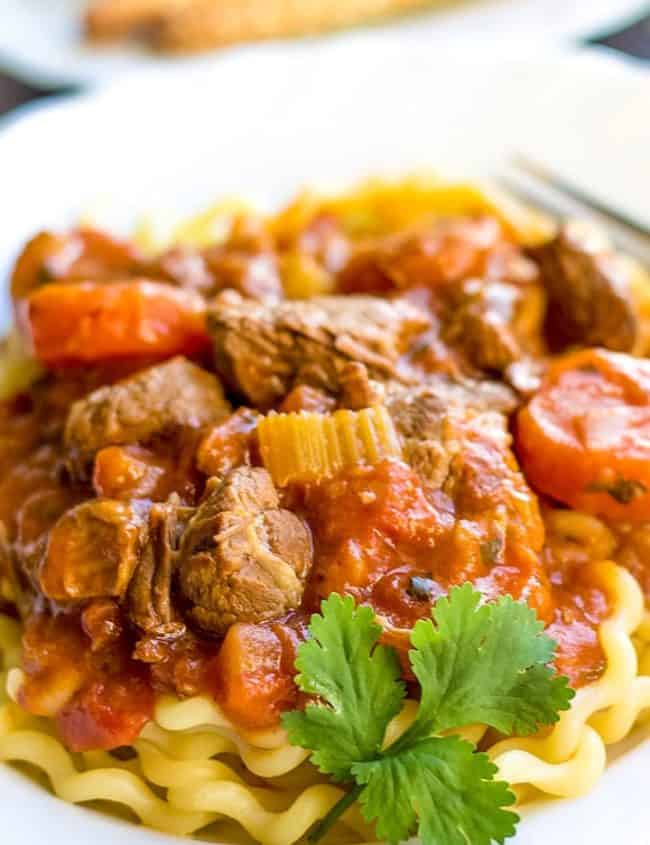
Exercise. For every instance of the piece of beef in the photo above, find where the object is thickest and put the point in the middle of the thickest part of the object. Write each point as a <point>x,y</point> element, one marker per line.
<point>427,419</point>
<point>242,557</point>
<point>16,590</point>
<point>265,350</point>
<point>358,390</point>
<point>184,267</point>
<point>149,600</point>
<point>93,550</point>
<point>253,275</point>
<point>305,398</point>
<point>444,253</point>
<point>482,324</point>
<point>158,401</point>
<point>322,239</point>
<point>589,299</point>
<point>82,255</point>
<point>228,444</point>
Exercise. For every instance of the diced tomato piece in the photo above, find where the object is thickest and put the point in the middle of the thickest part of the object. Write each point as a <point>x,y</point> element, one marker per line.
<point>584,438</point>
<point>81,255</point>
<point>253,676</point>
<point>54,663</point>
<point>87,322</point>
<point>109,712</point>
<point>228,444</point>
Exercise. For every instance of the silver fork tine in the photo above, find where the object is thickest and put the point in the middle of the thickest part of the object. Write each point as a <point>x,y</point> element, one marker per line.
<point>543,174</point>
<point>632,240</point>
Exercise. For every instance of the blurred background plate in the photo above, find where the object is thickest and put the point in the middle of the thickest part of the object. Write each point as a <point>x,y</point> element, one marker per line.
<point>40,40</point>
<point>265,125</point>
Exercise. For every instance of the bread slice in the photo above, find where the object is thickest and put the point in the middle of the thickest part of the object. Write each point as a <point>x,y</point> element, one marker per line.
<point>108,20</point>
<point>196,25</point>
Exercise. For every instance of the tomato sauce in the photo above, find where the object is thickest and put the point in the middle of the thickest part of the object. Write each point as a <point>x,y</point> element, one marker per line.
<point>378,537</point>
<point>378,534</point>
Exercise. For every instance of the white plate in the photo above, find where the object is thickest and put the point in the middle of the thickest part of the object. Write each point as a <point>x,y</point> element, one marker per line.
<point>264,126</point>
<point>40,40</point>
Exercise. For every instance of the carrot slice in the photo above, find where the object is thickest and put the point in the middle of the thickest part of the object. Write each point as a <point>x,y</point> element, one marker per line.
<point>584,438</point>
<point>88,322</point>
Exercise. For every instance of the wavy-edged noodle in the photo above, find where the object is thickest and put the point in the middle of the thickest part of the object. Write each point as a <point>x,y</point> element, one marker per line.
<point>114,784</point>
<point>312,447</point>
<point>10,647</point>
<point>271,828</point>
<point>587,531</point>
<point>601,713</point>
<point>379,207</point>
<point>187,749</point>
<point>18,369</point>
<point>303,277</point>
<point>208,228</point>
<point>567,779</point>
<point>266,754</point>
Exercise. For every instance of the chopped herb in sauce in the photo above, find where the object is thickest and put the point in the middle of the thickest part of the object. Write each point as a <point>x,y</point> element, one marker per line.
<point>622,490</point>
<point>421,587</point>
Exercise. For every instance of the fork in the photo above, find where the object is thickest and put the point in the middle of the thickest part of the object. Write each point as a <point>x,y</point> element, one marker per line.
<point>536,184</point>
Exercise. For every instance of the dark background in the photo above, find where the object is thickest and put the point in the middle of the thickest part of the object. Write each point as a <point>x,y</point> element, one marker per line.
<point>13,93</point>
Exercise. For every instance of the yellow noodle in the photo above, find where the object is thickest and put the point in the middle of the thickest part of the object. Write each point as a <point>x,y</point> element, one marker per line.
<point>312,447</point>
<point>379,207</point>
<point>303,277</point>
<point>181,750</point>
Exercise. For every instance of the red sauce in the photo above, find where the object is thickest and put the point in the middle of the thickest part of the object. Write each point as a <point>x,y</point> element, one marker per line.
<point>378,535</point>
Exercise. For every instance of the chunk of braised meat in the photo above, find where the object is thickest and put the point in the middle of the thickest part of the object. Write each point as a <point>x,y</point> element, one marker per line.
<point>589,298</point>
<point>246,262</point>
<point>481,324</point>
<point>422,421</point>
<point>464,460</point>
<point>149,601</point>
<point>93,551</point>
<point>426,418</point>
<point>445,253</point>
<point>228,444</point>
<point>265,350</point>
<point>131,472</point>
<point>243,558</point>
<point>16,591</point>
<point>155,402</point>
<point>256,276</point>
<point>358,391</point>
<point>182,266</point>
<point>306,398</point>
<point>323,240</point>
<point>82,255</point>
<point>217,268</point>
<point>103,623</point>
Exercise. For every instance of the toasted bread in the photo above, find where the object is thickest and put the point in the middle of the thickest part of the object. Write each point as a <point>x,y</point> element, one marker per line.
<point>196,25</point>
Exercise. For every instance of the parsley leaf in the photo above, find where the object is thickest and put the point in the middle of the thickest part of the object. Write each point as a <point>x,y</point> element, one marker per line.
<point>446,785</point>
<point>484,663</point>
<point>475,663</point>
<point>359,681</point>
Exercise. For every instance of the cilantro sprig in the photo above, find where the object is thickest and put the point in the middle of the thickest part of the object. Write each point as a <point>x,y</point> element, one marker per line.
<point>476,663</point>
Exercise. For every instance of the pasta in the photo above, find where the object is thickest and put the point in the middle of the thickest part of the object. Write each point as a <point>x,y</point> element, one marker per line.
<point>192,650</point>
<point>183,748</point>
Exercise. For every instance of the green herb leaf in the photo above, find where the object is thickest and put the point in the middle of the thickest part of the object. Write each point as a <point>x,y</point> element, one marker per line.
<point>484,664</point>
<point>477,664</point>
<point>356,678</point>
<point>440,788</point>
